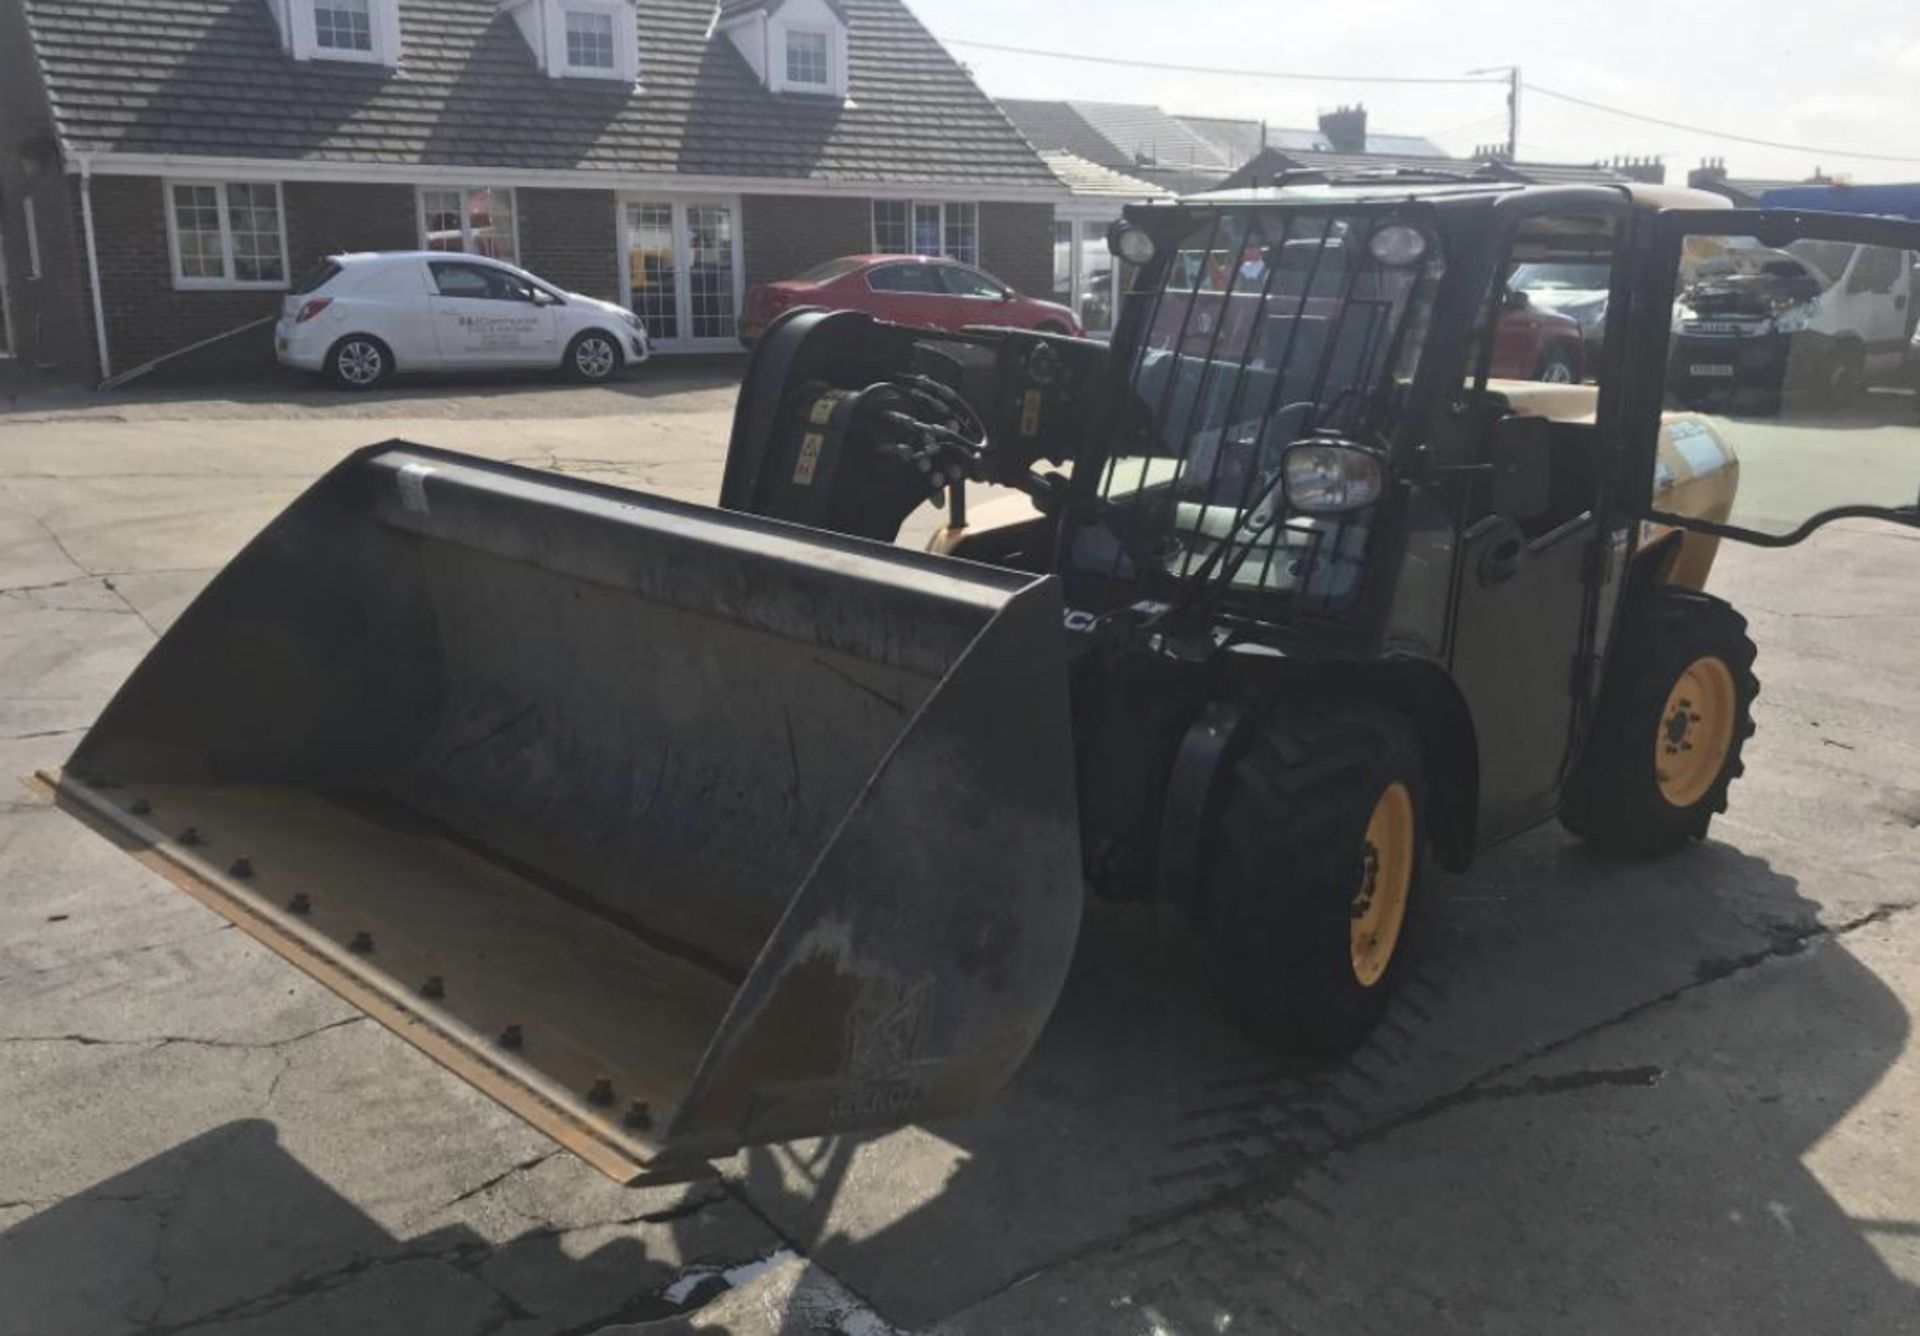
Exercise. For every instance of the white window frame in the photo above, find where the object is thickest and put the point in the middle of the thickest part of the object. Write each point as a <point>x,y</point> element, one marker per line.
<point>466,225</point>
<point>912,206</point>
<point>373,55</point>
<point>550,37</point>
<point>573,71</point>
<point>683,283</point>
<point>229,283</point>
<point>33,240</point>
<point>826,82</point>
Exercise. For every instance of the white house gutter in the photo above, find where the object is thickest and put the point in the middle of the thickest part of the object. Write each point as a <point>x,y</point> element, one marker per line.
<point>93,268</point>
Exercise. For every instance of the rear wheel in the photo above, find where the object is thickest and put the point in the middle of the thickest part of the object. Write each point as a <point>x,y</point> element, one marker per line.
<point>593,356</point>
<point>359,362</point>
<point>1666,742</point>
<point>1314,873</point>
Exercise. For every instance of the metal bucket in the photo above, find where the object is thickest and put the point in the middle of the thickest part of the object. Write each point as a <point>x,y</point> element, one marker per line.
<point>672,829</point>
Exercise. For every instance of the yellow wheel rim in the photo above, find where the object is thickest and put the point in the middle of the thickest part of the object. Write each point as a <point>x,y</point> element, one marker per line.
<point>1386,876</point>
<point>1696,732</point>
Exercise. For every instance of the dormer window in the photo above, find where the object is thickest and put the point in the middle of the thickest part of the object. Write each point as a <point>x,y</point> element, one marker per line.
<point>589,41</point>
<point>581,39</point>
<point>794,46</point>
<point>807,59</point>
<point>343,25</point>
<point>363,30</point>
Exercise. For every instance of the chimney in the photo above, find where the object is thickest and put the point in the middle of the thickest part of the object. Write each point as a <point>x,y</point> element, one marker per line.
<point>1708,174</point>
<point>1652,171</point>
<point>1345,129</point>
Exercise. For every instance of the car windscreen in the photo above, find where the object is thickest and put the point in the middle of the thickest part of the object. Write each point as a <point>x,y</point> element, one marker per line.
<point>316,278</point>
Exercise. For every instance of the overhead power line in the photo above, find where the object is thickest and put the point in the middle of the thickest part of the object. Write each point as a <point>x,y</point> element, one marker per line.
<point>1816,149</point>
<point>1555,94</point>
<point>1208,69</point>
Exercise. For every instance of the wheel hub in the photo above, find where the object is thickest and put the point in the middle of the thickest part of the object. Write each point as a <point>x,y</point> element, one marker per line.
<point>1379,909</point>
<point>1695,732</point>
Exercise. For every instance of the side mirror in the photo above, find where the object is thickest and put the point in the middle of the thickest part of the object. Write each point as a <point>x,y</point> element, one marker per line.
<point>1517,300</point>
<point>1521,452</point>
<point>1008,294</point>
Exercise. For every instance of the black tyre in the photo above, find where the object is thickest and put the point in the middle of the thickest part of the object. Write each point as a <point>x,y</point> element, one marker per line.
<point>1674,715</point>
<point>359,362</point>
<point>1314,872</point>
<point>1844,377</point>
<point>1559,365</point>
<point>593,356</point>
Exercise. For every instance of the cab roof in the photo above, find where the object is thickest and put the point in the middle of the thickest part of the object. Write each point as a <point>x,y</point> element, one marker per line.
<point>1375,189</point>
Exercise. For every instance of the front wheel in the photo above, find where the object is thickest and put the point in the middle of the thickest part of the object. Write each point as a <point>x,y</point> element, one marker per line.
<point>1314,872</point>
<point>1558,366</point>
<point>593,356</point>
<point>1665,743</point>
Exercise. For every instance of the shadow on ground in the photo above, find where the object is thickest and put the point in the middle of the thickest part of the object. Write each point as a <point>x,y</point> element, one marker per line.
<point>1507,1154</point>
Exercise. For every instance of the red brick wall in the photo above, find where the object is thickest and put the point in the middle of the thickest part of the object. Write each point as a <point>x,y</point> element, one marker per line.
<point>785,235</point>
<point>147,317</point>
<point>568,238</point>
<point>1016,245</point>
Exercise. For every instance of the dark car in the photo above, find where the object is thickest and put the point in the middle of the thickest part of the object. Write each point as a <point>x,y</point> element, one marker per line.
<point>908,290</point>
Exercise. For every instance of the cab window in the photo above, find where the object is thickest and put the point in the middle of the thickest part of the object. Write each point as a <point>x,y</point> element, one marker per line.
<point>479,282</point>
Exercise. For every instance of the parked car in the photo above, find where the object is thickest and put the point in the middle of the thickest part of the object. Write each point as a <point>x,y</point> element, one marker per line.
<point>909,290</point>
<point>1820,318</point>
<point>1575,289</point>
<point>360,318</point>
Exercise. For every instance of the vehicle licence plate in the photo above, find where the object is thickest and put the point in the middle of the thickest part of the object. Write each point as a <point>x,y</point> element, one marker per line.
<point>1710,369</point>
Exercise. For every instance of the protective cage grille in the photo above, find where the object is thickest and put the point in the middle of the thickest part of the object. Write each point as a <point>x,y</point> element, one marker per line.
<point>1264,327</point>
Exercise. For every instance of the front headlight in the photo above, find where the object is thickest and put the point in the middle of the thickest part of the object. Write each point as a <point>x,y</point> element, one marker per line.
<point>1326,478</point>
<point>1796,318</point>
<point>630,318</point>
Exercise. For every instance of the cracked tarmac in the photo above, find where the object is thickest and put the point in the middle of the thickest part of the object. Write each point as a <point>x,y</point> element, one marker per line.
<point>1615,1098</point>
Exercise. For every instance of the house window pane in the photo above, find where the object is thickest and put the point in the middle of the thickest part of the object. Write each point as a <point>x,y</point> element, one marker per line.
<point>196,221</point>
<point>589,40</point>
<point>490,223</point>
<point>651,269</point>
<point>440,220</point>
<point>253,217</point>
<point>891,230</point>
<point>342,25</point>
<point>1062,259</point>
<point>963,233</point>
<point>926,229</point>
<point>807,58</point>
<point>710,270</point>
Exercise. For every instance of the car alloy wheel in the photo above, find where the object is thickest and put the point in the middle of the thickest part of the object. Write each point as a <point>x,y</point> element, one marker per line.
<point>595,357</point>
<point>360,363</point>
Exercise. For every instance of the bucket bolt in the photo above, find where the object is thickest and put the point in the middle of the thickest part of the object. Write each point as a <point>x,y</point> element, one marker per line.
<point>638,1115</point>
<point>140,807</point>
<point>601,1093</point>
<point>511,1037</point>
<point>434,986</point>
<point>300,904</point>
<point>362,943</point>
<point>191,836</point>
<point>241,868</point>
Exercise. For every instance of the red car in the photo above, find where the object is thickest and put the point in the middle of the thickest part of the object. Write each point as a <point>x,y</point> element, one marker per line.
<point>908,290</point>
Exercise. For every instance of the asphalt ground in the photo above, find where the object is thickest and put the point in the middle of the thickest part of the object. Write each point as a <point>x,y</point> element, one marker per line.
<point>1615,1098</point>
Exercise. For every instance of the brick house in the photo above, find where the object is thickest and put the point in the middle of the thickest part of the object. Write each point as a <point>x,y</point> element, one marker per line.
<point>168,166</point>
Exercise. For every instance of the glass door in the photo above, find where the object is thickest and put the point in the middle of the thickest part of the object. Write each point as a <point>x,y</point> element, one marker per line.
<point>681,268</point>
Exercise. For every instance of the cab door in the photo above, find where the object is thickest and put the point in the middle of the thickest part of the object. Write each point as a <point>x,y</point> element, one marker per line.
<point>1787,448</point>
<point>1531,559</point>
<point>910,293</point>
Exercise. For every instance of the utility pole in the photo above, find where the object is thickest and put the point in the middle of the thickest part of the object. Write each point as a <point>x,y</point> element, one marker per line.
<point>1513,105</point>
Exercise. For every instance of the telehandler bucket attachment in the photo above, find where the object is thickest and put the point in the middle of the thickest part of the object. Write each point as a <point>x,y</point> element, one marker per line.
<point>671,829</point>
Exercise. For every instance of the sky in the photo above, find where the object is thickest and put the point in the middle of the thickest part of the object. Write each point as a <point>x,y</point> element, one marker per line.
<point>1830,74</point>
